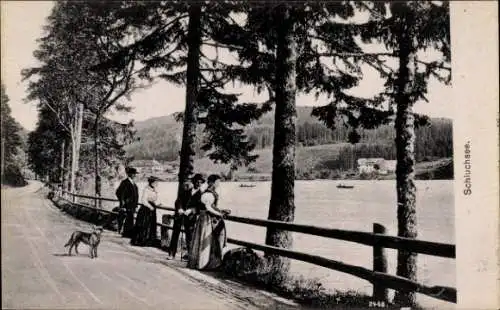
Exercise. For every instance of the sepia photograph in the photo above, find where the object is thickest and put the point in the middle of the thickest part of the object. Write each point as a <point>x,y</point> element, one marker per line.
<point>246,155</point>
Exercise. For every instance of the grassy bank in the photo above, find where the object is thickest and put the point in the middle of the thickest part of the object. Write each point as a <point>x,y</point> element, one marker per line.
<point>250,268</point>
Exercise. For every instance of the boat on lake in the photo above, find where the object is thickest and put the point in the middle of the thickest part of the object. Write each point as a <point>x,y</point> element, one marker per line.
<point>247,185</point>
<point>345,186</point>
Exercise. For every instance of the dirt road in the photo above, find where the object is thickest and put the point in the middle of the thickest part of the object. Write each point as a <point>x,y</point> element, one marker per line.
<point>37,273</point>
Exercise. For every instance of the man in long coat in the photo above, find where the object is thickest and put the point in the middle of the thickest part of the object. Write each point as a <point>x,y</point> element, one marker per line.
<point>128,195</point>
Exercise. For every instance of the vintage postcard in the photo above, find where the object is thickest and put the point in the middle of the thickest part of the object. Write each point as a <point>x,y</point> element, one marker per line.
<point>250,155</point>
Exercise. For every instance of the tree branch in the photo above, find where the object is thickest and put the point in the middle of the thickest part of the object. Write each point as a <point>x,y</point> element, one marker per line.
<point>57,115</point>
<point>356,55</point>
<point>371,10</point>
<point>128,77</point>
<point>434,64</point>
<point>218,45</point>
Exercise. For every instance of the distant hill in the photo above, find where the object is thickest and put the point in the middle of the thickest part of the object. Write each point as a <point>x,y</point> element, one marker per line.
<point>160,137</point>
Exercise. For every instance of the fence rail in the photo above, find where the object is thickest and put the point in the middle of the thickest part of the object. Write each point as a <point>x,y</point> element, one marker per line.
<point>378,240</point>
<point>371,239</point>
<point>377,278</point>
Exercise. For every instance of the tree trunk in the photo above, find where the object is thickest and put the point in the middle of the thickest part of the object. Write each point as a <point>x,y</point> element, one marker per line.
<point>76,139</point>
<point>405,169</point>
<point>282,207</point>
<point>96,161</point>
<point>63,152</point>
<point>192,86</point>
<point>67,169</point>
<point>73,164</point>
<point>79,124</point>
<point>2,159</point>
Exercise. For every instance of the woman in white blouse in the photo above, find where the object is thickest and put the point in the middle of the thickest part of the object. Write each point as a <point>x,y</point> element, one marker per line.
<point>145,224</point>
<point>209,236</point>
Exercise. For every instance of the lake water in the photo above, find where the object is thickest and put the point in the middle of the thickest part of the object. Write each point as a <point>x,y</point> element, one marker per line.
<point>320,203</point>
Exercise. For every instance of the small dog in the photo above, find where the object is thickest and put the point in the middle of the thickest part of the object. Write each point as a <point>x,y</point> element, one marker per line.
<point>91,239</point>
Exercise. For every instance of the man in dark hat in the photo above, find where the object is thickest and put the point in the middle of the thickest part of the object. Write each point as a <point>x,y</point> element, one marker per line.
<point>128,195</point>
<point>190,208</point>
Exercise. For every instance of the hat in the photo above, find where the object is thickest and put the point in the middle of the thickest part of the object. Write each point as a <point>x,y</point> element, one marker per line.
<point>197,177</point>
<point>130,170</point>
<point>152,179</point>
<point>213,177</point>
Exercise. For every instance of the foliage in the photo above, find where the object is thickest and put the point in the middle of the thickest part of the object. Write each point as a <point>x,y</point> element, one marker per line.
<point>44,145</point>
<point>12,175</point>
<point>113,137</point>
<point>77,37</point>
<point>430,24</point>
<point>328,161</point>
<point>245,265</point>
<point>433,140</point>
<point>160,42</point>
<point>11,139</point>
<point>406,28</point>
<point>11,144</point>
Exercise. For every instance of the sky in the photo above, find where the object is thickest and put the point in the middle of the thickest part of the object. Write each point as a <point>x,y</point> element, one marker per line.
<point>21,26</point>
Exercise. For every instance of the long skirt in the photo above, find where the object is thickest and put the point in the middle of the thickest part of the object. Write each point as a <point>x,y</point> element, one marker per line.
<point>145,227</point>
<point>209,238</point>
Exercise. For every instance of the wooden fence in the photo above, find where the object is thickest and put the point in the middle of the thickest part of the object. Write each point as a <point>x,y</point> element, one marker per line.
<point>381,280</point>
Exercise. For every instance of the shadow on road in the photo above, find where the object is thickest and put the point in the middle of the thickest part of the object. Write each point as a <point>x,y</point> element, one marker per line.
<point>72,255</point>
<point>61,254</point>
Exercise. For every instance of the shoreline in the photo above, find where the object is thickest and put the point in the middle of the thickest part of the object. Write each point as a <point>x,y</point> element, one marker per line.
<point>441,169</point>
<point>264,180</point>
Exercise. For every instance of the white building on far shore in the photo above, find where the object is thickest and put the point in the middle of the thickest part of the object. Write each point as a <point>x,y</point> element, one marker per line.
<point>376,165</point>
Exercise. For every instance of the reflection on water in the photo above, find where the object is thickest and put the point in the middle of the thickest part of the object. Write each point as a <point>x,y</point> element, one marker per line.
<point>321,203</point>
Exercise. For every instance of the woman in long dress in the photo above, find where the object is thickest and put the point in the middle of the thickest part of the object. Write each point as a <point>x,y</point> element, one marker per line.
<point>145,224</point>
<point>209,237</point>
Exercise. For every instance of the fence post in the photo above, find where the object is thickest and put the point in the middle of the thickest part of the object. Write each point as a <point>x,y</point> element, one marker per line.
<point>380,293</point>
<point>156,241</point>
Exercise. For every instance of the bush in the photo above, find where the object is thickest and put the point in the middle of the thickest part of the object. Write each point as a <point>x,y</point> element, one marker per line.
<point>242,262</point>
<point>246,265</point>
<point>12,176</point>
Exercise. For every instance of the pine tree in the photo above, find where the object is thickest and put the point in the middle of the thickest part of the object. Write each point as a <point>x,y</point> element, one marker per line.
<point>288,49</point>
<point>408,28</point>
<point>172,39</point>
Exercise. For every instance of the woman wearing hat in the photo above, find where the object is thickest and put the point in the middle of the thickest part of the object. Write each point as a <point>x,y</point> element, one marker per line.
<point>209,237</point>
<point>145,224</point>
<point>193,206</point>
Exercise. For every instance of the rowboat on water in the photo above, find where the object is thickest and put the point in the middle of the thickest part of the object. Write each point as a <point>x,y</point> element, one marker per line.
<point>247,185</point>
<point>345,186</point>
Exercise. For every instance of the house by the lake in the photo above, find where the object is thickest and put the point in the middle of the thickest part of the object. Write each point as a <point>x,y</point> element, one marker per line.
<point>379,166</point>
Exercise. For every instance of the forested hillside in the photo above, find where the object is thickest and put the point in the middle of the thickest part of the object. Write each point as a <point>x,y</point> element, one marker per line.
<point>159,138</point>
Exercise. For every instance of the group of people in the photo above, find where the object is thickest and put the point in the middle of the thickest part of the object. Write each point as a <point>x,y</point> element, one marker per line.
<point>195,210</point>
